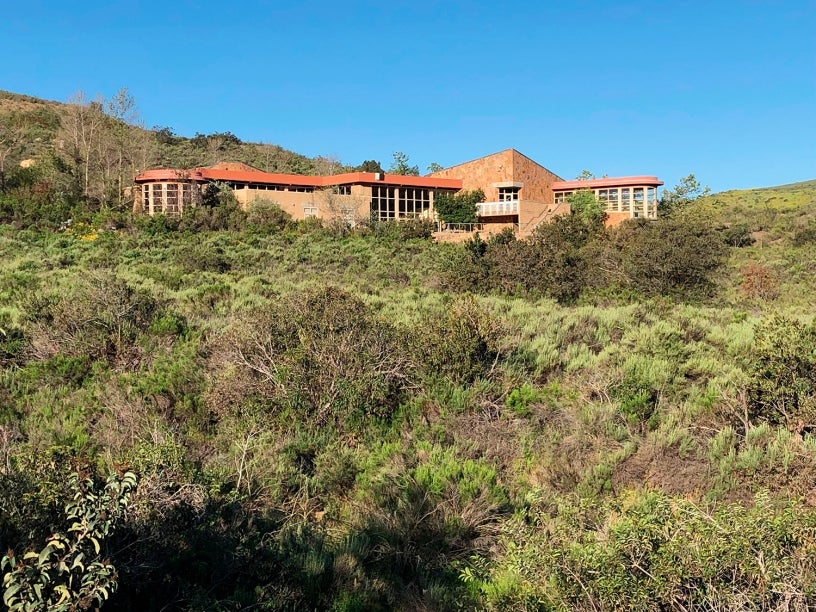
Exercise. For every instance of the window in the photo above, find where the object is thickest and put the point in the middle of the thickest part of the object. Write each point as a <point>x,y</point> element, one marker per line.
<point>383,201</point>
<point>509,194</point>
<point>343,190</point>
<point>413,202</point>
<point>146,198</point>
<point>561,196</point>
<point>309,212</point>
<point>158,202</point>
<point>626,199</point>
<point>637,201</point>
<point>172,199</point>
<point>186,195</point>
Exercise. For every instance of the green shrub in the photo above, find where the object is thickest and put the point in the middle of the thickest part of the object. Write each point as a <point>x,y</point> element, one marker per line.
<point>327,358</point>
<point>674,256</point>
<point>782,385</point>
<point>519,400</point>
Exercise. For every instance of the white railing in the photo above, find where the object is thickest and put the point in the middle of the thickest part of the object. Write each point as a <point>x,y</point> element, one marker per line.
<point>490,209</point>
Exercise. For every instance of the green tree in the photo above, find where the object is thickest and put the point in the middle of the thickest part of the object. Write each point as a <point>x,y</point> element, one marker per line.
<point>401,165</point>
<point>584,204</point>
<point>434,167</point>
<point>682,194</point>
<point>460,207</point>
<point>369,165</point>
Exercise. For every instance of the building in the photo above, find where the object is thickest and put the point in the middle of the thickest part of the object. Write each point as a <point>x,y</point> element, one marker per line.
<point>625,197</point>
<point>354,195</point>
<point>519,192</point>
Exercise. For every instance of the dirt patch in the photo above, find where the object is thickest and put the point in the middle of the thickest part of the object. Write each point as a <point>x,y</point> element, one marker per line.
<point>663,469</point>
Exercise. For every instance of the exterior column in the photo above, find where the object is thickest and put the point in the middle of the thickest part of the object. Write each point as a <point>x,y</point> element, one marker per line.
<point>646,202</point>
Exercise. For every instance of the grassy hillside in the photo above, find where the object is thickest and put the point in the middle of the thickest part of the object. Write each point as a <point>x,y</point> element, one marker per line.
<point>321,418</point>
<point>43,127</point>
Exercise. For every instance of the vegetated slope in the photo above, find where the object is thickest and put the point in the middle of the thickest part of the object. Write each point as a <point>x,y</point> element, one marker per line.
<point>322,418</point>
<point>45,125</point>
<point>780,223</point>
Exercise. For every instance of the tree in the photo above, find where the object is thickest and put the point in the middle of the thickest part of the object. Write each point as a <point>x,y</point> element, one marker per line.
<point>369,165</point>
<point>584,204</point>
<point>434,167</point>
<point>82,133</point>
<point>116,146</point>
<point>681,195</point>
<point>400,165</point>
<point>460,207</point>
<point>585,175</point>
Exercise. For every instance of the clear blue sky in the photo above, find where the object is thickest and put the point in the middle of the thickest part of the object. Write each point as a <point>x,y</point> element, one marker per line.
<point>723,89</point>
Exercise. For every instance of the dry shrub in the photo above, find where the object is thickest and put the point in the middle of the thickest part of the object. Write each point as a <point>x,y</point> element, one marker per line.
<point>758,282</point>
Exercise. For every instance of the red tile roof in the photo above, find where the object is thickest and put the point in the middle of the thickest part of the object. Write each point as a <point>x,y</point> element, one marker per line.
<point>299,180</point>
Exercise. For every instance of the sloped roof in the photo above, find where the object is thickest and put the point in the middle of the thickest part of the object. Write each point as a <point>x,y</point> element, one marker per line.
<point>299,180</point>
<point>615,181</point>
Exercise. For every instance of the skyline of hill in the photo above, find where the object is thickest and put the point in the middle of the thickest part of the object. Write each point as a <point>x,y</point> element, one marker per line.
<point>45,122</point>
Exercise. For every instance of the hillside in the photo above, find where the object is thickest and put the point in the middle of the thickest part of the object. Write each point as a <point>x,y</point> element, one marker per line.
<point>325,418</point>
<point>91,147</point>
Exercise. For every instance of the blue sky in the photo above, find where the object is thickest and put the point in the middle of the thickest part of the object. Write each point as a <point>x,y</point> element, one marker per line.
<point>725,89</point>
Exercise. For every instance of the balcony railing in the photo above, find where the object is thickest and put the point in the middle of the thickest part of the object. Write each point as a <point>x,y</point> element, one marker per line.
<point>494,209</point>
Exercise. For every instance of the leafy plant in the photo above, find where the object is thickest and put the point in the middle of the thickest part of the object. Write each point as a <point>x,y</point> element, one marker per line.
<point>70,573</point>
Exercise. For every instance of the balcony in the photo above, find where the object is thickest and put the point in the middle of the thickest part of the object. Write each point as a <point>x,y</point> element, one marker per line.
<point>495,209</point>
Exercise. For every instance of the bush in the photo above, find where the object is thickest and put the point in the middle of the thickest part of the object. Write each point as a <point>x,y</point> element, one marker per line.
<point>461,344</point>
<point>758,282</point>
<point>324,356</point>
<point>266,216</point>
<point>737,235</point>
<point>782,387</point>
<point>674,256</point>
<point>459,207</point>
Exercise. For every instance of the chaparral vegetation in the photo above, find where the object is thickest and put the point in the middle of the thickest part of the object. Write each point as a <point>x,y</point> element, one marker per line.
<point>231,410</point>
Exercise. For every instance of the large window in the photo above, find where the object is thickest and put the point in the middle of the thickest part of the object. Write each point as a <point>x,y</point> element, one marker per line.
<point>383,202</point>
<point>413,202</point>
<point>399,202</point>
<point>637,201</point>
<point>186,195</point>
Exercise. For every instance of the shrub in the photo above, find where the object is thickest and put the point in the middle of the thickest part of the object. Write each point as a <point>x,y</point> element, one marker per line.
<point>461,344</point>
<point>99,318</point>
<point>805,235</point>
<point>672,256</point>
<point>459,207</point>
<point>782,387</point>
<point>326,357</point>
<point>70,573</point>
<point>758,282</point>
<point>267,216</point>
<point>737,235</point>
